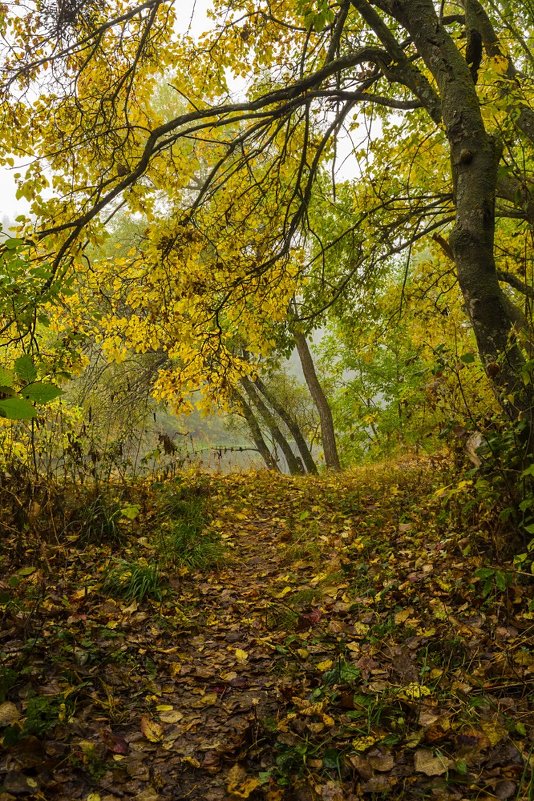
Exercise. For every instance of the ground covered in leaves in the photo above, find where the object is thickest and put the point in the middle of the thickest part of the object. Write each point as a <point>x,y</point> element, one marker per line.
<point>263,637</point>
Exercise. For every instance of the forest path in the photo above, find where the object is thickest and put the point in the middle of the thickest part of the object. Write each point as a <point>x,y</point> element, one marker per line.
<point>334,654</point>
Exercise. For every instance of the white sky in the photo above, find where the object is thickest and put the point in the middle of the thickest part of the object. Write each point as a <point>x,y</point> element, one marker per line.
<point>191,15</point>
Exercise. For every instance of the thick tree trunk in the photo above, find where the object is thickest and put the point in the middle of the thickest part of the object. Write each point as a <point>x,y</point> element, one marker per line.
<point>293,464</point>
<point>291,424</point>
<point>328,436</point>
<point>255,430</point>
<point>474,161</point>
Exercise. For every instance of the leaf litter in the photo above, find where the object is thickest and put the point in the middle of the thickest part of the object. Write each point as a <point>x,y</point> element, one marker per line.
<point>342,647</point>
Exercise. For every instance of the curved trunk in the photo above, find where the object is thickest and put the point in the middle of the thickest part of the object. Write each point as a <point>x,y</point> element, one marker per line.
<point>292,425</point>
<point>474,161</point>
<point>328,436</point>
<point>293,464</point>
<point>255,430</point>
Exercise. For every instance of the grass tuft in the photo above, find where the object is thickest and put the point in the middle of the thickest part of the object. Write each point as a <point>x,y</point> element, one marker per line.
<point>133,581</point>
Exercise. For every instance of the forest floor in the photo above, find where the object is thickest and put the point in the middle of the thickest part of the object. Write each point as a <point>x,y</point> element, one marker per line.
<point>265,637</point>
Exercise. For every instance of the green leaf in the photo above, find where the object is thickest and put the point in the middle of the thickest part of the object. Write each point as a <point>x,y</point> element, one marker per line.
<point>26,571</point>
<point>6,377</point>
<point>41,392</point>
<point>131,511</point>
<point>500,580</point>
<point>25,369</point>
<point>17,409</point>
<point>467,358</point>
<point>12,243</point>
<point>484,572</point>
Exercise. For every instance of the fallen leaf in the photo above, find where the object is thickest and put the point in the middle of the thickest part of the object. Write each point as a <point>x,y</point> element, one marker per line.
<point>325,665</point>
<point>172,716</point>
<point>363,743</point>
<point>8,713</point>
<point>149,794</point>
<point>383,763</point>
<point>239,784</point>
<point>425,762</point>
<point>402,616</point>
<point>414,690</point>
<point>331,791</point>
<point>241,655</point>
<point>494,731</point>
<point>151,729</point>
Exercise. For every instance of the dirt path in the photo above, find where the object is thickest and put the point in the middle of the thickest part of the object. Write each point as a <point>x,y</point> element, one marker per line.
<point>343,650</point>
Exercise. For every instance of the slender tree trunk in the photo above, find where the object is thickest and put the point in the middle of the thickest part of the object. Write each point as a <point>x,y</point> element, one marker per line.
<point>474,161</point>
<point>255,430</point>
<point>293,464</point>
<point>328,436</point>
<point>292,425</point>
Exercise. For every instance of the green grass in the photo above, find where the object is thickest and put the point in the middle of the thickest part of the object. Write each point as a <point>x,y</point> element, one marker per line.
<point>133,581</point>
<point>184,538</point>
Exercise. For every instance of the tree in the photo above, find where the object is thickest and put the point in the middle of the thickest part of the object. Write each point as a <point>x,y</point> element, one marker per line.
<point>239,177</point>
<point>328,436</point>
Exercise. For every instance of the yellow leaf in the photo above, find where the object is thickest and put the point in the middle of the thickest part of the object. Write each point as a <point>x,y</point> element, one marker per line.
<point>325,665</point>
<point>171,717</point>
<point>239,784</point>
<point>151,729</point>
<point>402,617</point>
<point>493,731</point>
<point>360,629</point>
<point>86,746</point>
<point>363,743</point>
<point>415,690</point>
<point>499,64</point>
<point>191,761</point>
<point>164,707</point>
<point>209,699</point>
<point>241,655</point>
<point>283,592</point>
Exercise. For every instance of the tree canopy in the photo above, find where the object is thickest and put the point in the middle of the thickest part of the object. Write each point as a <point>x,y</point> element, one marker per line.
<point>277,165</point>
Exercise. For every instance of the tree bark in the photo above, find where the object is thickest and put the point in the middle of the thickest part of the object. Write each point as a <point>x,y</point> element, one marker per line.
<point>293,464</point>
<point>474,160</point>
<point>328,436</point>
<point>292,425</point>
<point>255,431</point>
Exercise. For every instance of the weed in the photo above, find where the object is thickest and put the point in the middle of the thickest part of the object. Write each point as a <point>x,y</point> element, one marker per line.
<point>301,550</point>
<point>133,581</point>
<point>42,714</point>
<point>183,539</point>
<point>98,521</point>
<point>183,544</point>
<point>493,580</point>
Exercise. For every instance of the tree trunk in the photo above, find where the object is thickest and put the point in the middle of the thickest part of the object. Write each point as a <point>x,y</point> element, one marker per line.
<point>474,160</point>
<point>293,464</point>
<point>328,436</point>
<point>292,425</point>
<point>255,430</point>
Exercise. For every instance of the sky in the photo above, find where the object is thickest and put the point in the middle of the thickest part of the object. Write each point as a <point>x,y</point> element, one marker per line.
<point>191,15</point>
